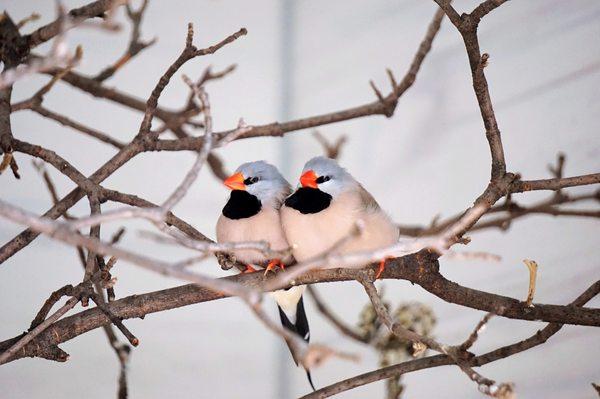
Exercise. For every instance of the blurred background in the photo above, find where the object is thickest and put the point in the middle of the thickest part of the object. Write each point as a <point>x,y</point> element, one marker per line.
<point>299,59</point>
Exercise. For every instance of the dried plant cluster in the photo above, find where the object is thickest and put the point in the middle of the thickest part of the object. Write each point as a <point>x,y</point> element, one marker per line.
<point>402,337</point>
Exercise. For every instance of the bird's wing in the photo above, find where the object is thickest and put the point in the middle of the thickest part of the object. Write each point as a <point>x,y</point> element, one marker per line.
<point>367,199</point>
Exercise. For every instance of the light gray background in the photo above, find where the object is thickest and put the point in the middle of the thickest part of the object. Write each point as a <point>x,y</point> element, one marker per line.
<point>299,59</point>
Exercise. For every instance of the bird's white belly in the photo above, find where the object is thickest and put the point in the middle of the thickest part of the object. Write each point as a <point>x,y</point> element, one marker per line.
<point>288,300</point>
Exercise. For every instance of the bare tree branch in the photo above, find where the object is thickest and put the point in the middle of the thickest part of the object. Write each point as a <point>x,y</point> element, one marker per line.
<point>14,349</point>
<point>51,30</point>
<point>63,120</point>
<point>135,44</point>
<point>334,319</point>
<point>420,269</point>
<point>132,149</point>
<point>12,51</point>
<point>486,385</point>
<point>513,211</point>
<point>276,129</point>
<point>415,260</point>
<point>538,338</point>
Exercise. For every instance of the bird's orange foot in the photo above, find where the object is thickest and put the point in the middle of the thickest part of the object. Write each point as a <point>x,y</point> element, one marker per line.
<point>249,269</point>
<point>273,264</point>
<point>382,266</point>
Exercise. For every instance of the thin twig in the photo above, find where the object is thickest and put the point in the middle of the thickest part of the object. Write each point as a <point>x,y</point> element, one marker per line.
<point>6,355</point>
<point>77,15</point>
<point>468,343</point>
<point>333,318</point>
<point>135,44</point>
<point>331,150</point>
<point>115,320</point>
<point>538,338</point>
<point>485,385</point>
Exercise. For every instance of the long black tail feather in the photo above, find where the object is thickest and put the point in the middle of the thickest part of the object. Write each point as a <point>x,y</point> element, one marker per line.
<point>310,380</point>
<point>300,327</point>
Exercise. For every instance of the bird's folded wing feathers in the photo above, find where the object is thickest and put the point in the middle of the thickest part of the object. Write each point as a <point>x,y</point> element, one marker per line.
<point>367,199</point>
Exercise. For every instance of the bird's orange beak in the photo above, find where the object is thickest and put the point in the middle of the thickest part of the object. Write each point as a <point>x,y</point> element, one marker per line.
<point>309,179</point>
<point>235,181</point>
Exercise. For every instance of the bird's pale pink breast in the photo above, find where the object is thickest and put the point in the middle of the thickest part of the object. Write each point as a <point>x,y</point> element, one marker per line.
<point>264,226</point>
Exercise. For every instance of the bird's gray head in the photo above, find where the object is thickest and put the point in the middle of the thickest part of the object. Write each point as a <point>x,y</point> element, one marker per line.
<point>326,175</point>
<point>260,179</point>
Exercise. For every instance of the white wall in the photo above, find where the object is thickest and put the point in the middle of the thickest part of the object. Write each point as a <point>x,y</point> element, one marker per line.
<point>430,158</point>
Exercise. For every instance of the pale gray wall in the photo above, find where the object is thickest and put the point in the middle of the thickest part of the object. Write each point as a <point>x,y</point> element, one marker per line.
<point>431,157</point>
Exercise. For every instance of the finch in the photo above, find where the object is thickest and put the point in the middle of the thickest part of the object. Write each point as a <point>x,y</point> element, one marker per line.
<point>252,214</point>
<point>326,209</point>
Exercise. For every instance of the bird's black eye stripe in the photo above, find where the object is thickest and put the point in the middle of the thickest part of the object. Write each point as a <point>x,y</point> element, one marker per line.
<point>322,179</point>
<point>250,180</point>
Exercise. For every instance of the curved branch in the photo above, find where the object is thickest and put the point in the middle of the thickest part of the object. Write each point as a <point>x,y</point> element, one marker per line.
<point>99,90</point>
<point>341,325</point>
<point>467,26</point>
<point>135,44</point>
<point>485,8</point>
<point>58,162</point>
<point>396,370</point>
<point>512,212</point>
<point>65,121</point>
<point>139,202</point>
<point>554,184</point>
<point>421,269</point>
<point>47,32</point>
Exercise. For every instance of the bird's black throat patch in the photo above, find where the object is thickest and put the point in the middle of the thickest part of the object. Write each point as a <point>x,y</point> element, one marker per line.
<point>308,200</point>
<point>241,205</point>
